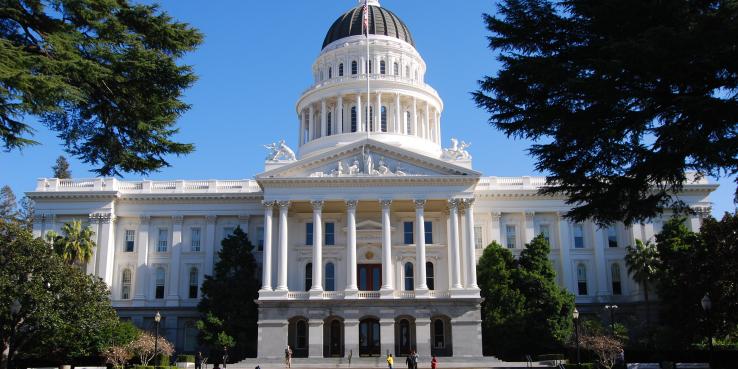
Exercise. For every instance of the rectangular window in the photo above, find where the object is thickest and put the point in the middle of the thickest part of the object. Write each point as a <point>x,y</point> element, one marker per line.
<point>546,232</point>
<point>617,288</point>
<point>612,236</point>
<point>512,237</point>
<point>130,240</point>
<point>309,234</point>
<point>578,236</point>
<point>126,292</point>
<point>330,234</point>
<point>428,233</point>
<point>159,292</point>
<point>478,243</point>
<point>161,245</point>
<point>260,238</point>
<point>407,228</point>
<point>195,241</point>
<point>582,288</point>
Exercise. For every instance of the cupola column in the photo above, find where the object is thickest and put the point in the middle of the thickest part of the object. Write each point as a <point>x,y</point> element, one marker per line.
<point>438,126</point>
<point>339,115</point>
<point>427,123</point>
<point>359,126</point>
<point>322,118</point>
<point>398,111</point>
<point>311,123</point>
<point>378,114</point>
<point>416,128</point>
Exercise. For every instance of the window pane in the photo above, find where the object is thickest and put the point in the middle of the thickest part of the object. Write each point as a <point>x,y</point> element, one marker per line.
<point>130,240</point>
<point>308,276</point>
<point>408,233</point>
<point>309,234</point>
<point>578,236</point>
<point>409,283</point>
<point>330,277</point>
<point>612,236</point>
<point>195,246</point>
<point>260,238</point>
<point>330,233</point>
<point>546,232</point>
<point>511,236</point>
<point>428,232</point>
<point>429,276</point>
<point>478,237</point>
<point>162,244</point>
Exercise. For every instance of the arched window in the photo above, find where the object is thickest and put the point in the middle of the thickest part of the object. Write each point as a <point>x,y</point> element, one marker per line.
<point>409,281</point>
<point>160,278</point>
<point>408,123</point>
<point>329,121</point>
<point>397,69</point>
<point>301,335</point>
<point>439,341</point>
<point>617,287</point>
<point>370,116</point>
<point>581,280</point>
<point>429,276</point>
<point>371,67</point>
<point>308,276</point>
<point>383,117</point>
<point>354,67</point>
<point>330,72</point>
<point>382,67</point>
<point>194,282</point>
<point>340,70</point>
<point>330,277</point>
<point>125,285</point>
<point>353,119</point>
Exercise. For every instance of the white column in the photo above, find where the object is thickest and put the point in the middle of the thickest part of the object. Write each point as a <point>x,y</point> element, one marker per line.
<point>301,136</point>
<point>351,246</point>
<point>209,244</point>
<point>174,265</point>
<point>92,265</point>
<point>528,227</point>
<point>339,115</point>
<point>453,216</point>
<point>317,288</point>
<point>359,126</point>
<point>427,123</point>
<point>416,128</point>
<point>378,114</point>
<point>564,246</point>
<point>311,123</point>
<point>282,276</point>
<point>420,283</point>
<point>387,268</point>
<point>266,267</point>
<point>438,126</point>
<point>471,254</point>
<point>600,236</point>
<point>142,248</point>
<point>323,118</point>
<point>398,114</point>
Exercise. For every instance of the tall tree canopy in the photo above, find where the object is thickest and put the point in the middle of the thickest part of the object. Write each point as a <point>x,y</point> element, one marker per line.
<point>524,310</point>
<point>8,205</point>
<point>621,97</point>
<point>103,74</point>
<point>61,168</point>
<point>227,304</point>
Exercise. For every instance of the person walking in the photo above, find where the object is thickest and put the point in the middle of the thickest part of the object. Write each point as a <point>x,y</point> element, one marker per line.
<point>390,361</point>
<point>198,360</point>
<point>415,359</point>
<point>288,356</point>
<point>434,362</point>
<point>409,361</point>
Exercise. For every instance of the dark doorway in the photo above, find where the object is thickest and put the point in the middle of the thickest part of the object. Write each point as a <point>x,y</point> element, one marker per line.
<point>369,338</point>
<point>335,339</point>
<point>404,337</point>
<point>370,277</point>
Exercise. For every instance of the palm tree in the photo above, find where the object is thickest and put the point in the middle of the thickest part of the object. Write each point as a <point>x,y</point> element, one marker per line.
<point>76,246</point>
<point>641,262</point>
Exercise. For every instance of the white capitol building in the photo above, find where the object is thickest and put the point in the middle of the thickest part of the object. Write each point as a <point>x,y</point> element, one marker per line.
<point>368,236</point>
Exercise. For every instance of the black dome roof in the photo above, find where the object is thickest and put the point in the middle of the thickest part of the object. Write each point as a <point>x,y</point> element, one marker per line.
<point>381,22</point>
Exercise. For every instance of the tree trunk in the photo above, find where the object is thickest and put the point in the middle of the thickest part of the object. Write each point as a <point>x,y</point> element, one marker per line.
<point>5,356</point>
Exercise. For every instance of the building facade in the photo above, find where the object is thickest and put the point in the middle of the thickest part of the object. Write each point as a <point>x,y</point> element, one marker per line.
<point>367,237</point>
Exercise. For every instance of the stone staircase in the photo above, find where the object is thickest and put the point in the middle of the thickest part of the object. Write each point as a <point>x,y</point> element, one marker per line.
<point>380,362</point>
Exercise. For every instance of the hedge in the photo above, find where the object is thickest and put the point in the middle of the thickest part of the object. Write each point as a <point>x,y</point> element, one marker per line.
<point>186,358</point>
<point>583,366</point>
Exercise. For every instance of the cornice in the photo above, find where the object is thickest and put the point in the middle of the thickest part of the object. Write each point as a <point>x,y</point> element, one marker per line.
<point>89,195</point>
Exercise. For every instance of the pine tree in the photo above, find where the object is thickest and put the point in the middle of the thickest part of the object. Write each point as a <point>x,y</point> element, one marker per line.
<point>104,75</point>
<point>622,98</point>
<point>61,168</point>
<point>26,212</point>
<point>8,205</point>
<point>228,296</point>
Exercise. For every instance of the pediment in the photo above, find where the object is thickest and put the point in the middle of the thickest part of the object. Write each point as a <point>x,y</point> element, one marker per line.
<point>368,158</point>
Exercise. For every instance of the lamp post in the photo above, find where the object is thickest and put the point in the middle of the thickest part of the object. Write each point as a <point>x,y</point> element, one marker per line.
<point>707,307</point>
<point>612,309</point>
<point>575,315</point>
<point>157,319</point>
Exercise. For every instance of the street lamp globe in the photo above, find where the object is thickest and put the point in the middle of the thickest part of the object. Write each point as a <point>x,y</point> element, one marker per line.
<point>157,317</point>
<point>706,303</point>
<point>575,314</point>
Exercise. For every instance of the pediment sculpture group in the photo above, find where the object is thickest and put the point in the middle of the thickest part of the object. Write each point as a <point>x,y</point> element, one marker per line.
<point>363,167</point>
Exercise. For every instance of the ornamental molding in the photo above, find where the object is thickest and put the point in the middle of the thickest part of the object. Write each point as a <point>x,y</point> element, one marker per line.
<point>101,218</point>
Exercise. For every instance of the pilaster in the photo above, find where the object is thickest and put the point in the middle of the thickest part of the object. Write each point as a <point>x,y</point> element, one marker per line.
<point>174,266</point>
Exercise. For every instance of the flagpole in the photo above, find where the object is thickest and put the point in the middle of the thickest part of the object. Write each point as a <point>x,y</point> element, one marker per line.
<point>368,64</point>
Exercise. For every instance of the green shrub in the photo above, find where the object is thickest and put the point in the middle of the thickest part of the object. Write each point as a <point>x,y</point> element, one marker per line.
<point>162,360</point>
<point>143,367</point>
<point>186,358</point>
<point>164,367</point>
<point>583,366</point>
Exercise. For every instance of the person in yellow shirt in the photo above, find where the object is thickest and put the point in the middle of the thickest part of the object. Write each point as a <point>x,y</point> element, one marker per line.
<point>390,360</point>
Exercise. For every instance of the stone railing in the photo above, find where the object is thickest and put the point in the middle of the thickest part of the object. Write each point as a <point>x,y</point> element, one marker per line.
<point>501,183</point>
<point>366,295</point>
<point>372,77</point>
<point>146,186</point>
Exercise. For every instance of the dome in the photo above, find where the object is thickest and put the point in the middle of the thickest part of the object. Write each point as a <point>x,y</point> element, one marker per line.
<point>381,22</point>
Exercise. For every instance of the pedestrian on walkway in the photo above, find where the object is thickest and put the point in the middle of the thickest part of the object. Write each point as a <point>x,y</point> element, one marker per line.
<point>390,361</point>
<point>409,361</point>
<point>434,362</point>
<point>288,356</point>
<point>198,360</point>
<point>415,359</point>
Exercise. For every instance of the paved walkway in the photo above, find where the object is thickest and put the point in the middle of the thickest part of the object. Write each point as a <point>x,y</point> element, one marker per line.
<point>379,362</point>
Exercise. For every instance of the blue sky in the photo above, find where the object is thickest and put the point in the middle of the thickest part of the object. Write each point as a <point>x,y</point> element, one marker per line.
<point>255,62</point>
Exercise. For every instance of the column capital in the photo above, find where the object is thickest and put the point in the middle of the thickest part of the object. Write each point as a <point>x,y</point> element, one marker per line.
<point>495,215</point>
<point>317,205</point>
<point>283,205</point>
<point>468,203</point>
<point>529,213</point>
<point>385,203</point>
<point>144,218</point>
<point>211,218</point>
<point>419,204</point>
<point>268,203</point>
<point>454,203</point>
<point>351,204</point>
<point>178,219</point>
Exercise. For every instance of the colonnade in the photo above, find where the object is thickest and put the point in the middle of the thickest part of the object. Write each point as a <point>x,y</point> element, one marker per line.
<point>402,115</point>
<point>388,284</point>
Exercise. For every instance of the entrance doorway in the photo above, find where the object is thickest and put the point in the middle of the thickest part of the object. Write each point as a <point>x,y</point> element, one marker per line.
<point>370,277</point>
<point>369,338</point>
<point>333,333</point>
<point>404,336</point>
